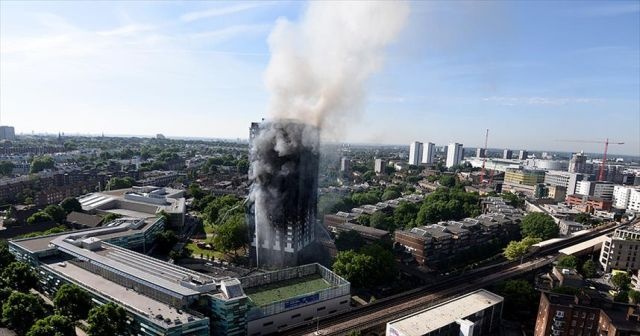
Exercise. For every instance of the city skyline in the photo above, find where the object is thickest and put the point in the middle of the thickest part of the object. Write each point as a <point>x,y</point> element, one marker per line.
<point>196,70</point>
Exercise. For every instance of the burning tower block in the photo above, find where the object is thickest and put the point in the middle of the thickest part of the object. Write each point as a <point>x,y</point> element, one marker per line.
<point>284,158</point>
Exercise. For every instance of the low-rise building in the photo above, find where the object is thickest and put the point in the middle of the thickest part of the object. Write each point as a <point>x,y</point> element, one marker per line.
<point>567,227</point>
<point>588,203</point>
<point>622,250</point>
<point>474,314</point>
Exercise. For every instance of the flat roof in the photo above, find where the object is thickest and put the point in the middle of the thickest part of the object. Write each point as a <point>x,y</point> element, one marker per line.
<point>141,304</point>
<point>573,249</point>
<point>282,290</point>
<point>445,313</point>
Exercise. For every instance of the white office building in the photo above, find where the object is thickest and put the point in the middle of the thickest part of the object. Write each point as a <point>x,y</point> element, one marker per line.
<point>621,195</point>
<point>345,165</point>
<point>379,166</point>
<point>523,155</point>
<point>455,154</point>
<point>429,153</point>
<point>507,154</point>
<point>415,153</point>
<point>564,179</point>
<point>603,190</point>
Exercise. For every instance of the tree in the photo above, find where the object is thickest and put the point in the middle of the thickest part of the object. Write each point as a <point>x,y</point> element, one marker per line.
<point>621,281</point>
<point>589,269</point>
<point>107,320</point>
<point>513,199</point>
<point>21,311</point>
<point>517,249</point>
<point>6,257</point>
<point>372,266</point>
<point>165,241</point>
<point>518,294</point>
<point>621,296</point>
<point>243,166</point>
<point>110,217</point>
<point>70,204</point>
<point>364,219</point>
<point>53,325</point>
<point>214,210</point>
<point>120,183</point>
<point>404,216</point>
<point>539,225</point>
<point>382,221</point>
<point>568,262</point>
<point>73,302</point>
<point>583,218</point>
<point>196,192</point>
<point>232,235</point>
<point>6,168</point>
<point>634,296</point>
<point>39,217</point>
<point>40,163</point>
<point>389,170</point>
<point>56,212</point>
<point>19,276</point>
<point>349,240</point>
<point>390,194</point>
<point>447,180</point>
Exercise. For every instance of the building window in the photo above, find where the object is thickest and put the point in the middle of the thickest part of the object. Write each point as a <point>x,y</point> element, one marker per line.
<point>295,316</point>
<point>321,308</point>
<point>267,323</point>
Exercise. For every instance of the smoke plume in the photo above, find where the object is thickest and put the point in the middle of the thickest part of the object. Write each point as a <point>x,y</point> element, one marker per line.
<point>319,66</point>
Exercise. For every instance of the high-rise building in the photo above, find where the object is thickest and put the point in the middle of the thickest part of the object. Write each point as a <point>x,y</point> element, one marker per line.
<point>345,165</point>
<point>507,154</point>
<point>601,190</point>
<point>564,179</point>
<point>481,153</point>
<point>379,166</point>
<point>622,195</point>
<point>455,153</point>
<point>621,250</point>
<point>415,153</point>
<point>578,163</point>
<point>429,153</point>
<point>7,133</point>
<point>522,155</point>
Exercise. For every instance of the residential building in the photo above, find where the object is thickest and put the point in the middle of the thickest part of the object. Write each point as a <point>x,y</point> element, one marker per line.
<point>597,189</point>
<point>507,154</point>
<point>477,313</point>
<point>578,163</point>
<point>567,227</point>
<point>7,133</point>
<point>564,179</point>
<point>415,153</point>
<point>523,155</point>
<point>481,153</point>
<point>622,250</point>
<point>345,165</point>
<point>429,153</point>
<point>379,166</point>
<point>455,154</point>
<point>587,203</point>
<point>557,193</point>
<point>586,314</point>
<point>159,178</point>
<point>626,197</point>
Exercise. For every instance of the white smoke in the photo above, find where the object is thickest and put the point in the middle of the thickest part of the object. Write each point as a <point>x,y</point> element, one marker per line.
<point>320,65</point>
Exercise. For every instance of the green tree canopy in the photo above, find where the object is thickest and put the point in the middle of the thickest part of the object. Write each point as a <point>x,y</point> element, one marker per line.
<point>539,225</point>
<point>110,217</point>
<point>589,269</point>
<point>513,199</point>
<point>372,266</point>
<point>517,294</point>
<point>107,320</point>
<point>404,216</point>
<point>349,240</point>
<point>215,210</point>
<point>390,194</point>
<point>517,249</point>
<point>364,219</point>
<point>56,212</point>
<point>6,257</point>
<point>39,217</point>
<point>448,204</point>
<point>447,180</point>
<point>568,262</point>
<point>21,311</point>
<point>6,168</point>
<point>53,325</point>
<point>232,235</point>
<point>621,280</point>
<point>382,221</point>
<point>40,163</point>
<point>243,166</point>
<point>70,204</point>
<point>165,240</point>
<point>120,183</point>
<point>73,302</point>
<point>634,296</point>
<point>19,276</point>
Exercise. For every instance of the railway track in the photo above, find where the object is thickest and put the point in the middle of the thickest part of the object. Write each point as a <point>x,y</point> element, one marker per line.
<point>398,305</point>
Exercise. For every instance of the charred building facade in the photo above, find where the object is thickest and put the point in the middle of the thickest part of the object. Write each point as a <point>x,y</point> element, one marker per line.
<point>284,157</point>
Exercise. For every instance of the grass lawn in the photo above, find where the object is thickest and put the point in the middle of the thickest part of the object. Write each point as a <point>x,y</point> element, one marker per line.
<point>261,295</point>
<point>206,253</point>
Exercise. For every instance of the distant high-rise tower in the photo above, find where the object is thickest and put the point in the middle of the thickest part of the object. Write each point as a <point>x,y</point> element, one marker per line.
<point>379,166</point>
<point>481,153</point>
<point>578,163</point>
<point>428,153</point>
<point>455,154</point>
<point>507,154</point>
<point>415,153</point>
<point>523,155</point>
<point>7,133</point>
<point>345,165</point>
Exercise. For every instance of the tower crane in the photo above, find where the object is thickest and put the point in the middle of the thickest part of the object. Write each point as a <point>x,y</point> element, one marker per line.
<point>606,143</point>
<point>484,157</point>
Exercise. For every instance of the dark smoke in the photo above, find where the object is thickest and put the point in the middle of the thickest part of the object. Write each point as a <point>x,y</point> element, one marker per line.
<point>284,174</point>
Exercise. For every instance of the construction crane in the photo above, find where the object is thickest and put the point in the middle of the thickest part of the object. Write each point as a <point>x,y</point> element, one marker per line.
<point>484,156</point>
<point>606,143</point>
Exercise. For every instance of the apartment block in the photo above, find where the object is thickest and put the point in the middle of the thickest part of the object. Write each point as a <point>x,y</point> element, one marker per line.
<point>622,250</point>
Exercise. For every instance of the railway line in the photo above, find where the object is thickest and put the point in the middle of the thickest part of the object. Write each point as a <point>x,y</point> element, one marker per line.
<point>395,306</point>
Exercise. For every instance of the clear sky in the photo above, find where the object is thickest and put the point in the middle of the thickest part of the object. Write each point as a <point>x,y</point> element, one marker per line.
<point>532,72</point>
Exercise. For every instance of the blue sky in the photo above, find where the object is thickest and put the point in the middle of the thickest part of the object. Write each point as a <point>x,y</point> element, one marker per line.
<point>531,72</point>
